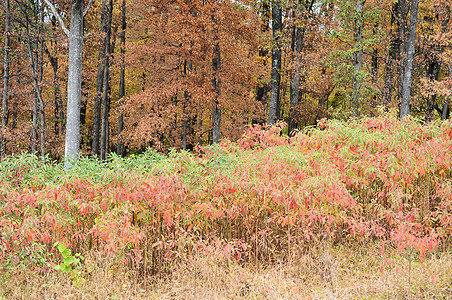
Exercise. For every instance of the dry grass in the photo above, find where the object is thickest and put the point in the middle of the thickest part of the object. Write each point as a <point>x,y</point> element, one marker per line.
<point>324,273</point>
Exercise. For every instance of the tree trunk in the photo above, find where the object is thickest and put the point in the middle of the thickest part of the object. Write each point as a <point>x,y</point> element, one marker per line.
<point>41,70</point>
<point>298,34</point>
<point>357,57</point>
<point>374,70</point>
<point>184,122</point>
<point>263,87</point>
<point>120,147</point>
<point>59,111</point>
<point>74,85</point>
<point>99,83</point>
<point>433,64</point>
<point>393,60</point>
<point>446,109</point>
<point>38,103</point>
<point>408,74</point>
<point>276,62</point>
<point>34,129</point>
<point>106,90</point>
<point>5,95</point>
<point>187,67</point>
<point>216,82</point>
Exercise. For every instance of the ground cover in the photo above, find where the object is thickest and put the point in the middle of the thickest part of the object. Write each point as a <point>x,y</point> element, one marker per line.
<point>346,209</point>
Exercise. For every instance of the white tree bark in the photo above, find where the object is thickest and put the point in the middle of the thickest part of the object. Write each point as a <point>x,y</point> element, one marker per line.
<point>74,85</point>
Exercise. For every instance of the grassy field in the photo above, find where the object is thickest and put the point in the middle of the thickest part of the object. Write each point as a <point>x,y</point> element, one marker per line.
<point>358,209</point>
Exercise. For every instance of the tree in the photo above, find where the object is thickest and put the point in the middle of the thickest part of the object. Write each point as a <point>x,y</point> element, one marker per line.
<point>74,86</point>
<point>273,113</point>
<point>216,82</point>
<point>433,43</point>
<point>410,49</point>
<point>298,33</point>
<point>357,57</point>
<point>393,72</point>
<point>35,49</point>
<point>120,147</point>
<point>5,81</point>
<point>195,62</point>
<point>106,87</point>
<point>101,63</point>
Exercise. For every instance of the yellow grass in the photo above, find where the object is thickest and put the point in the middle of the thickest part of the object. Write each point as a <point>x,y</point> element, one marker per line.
<point>324,273</point>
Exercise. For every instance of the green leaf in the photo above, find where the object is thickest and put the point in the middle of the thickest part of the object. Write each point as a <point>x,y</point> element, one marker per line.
<point>78,281</point>
<point>61,247</point>
<point>66,253</point>
<point>64,268</point>
<point>68,260</point>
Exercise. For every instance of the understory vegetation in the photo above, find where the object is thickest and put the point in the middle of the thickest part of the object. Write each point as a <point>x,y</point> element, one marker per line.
<point>358,208</point>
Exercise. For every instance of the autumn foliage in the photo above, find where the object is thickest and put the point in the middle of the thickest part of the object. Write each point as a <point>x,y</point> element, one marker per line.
<point>256,201</point>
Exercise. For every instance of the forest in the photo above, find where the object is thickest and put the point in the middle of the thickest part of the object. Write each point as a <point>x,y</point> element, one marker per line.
<point>234,149</point>
<point>176,74</point>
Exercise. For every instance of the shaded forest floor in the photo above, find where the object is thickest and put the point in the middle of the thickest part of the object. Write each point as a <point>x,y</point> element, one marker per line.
<point>358,209</point>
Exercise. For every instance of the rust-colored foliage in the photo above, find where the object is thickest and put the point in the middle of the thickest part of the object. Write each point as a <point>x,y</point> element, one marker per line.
<point>172,61</point>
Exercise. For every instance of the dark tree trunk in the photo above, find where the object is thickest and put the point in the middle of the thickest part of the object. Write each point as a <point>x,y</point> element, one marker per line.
<point>375,59</point>
<point>41,70</point>
<point>34,129</point>
<point>446,110</point>
<point>216,83</point>
<point>99,82</point>
<point>297,40</point>
<point>408,74</point>
<point>5,95</point>
<point>184,123</point>
<point>120,147</point>
<point>35,59</point>
<point>393,61</point>
<point>433,64</point>
<point>276,63</point>
<point>357,58</point>
<point>263,87</point>
<point>106,88</point>
<point>297,48</point>
<point>187,67</point>
<point>433,68</point>
<point>59,111</point>
<point>445,113</point>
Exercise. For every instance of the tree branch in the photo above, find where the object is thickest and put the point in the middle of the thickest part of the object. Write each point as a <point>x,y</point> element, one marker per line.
<point>88,7</point>
<point>57,15</point>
